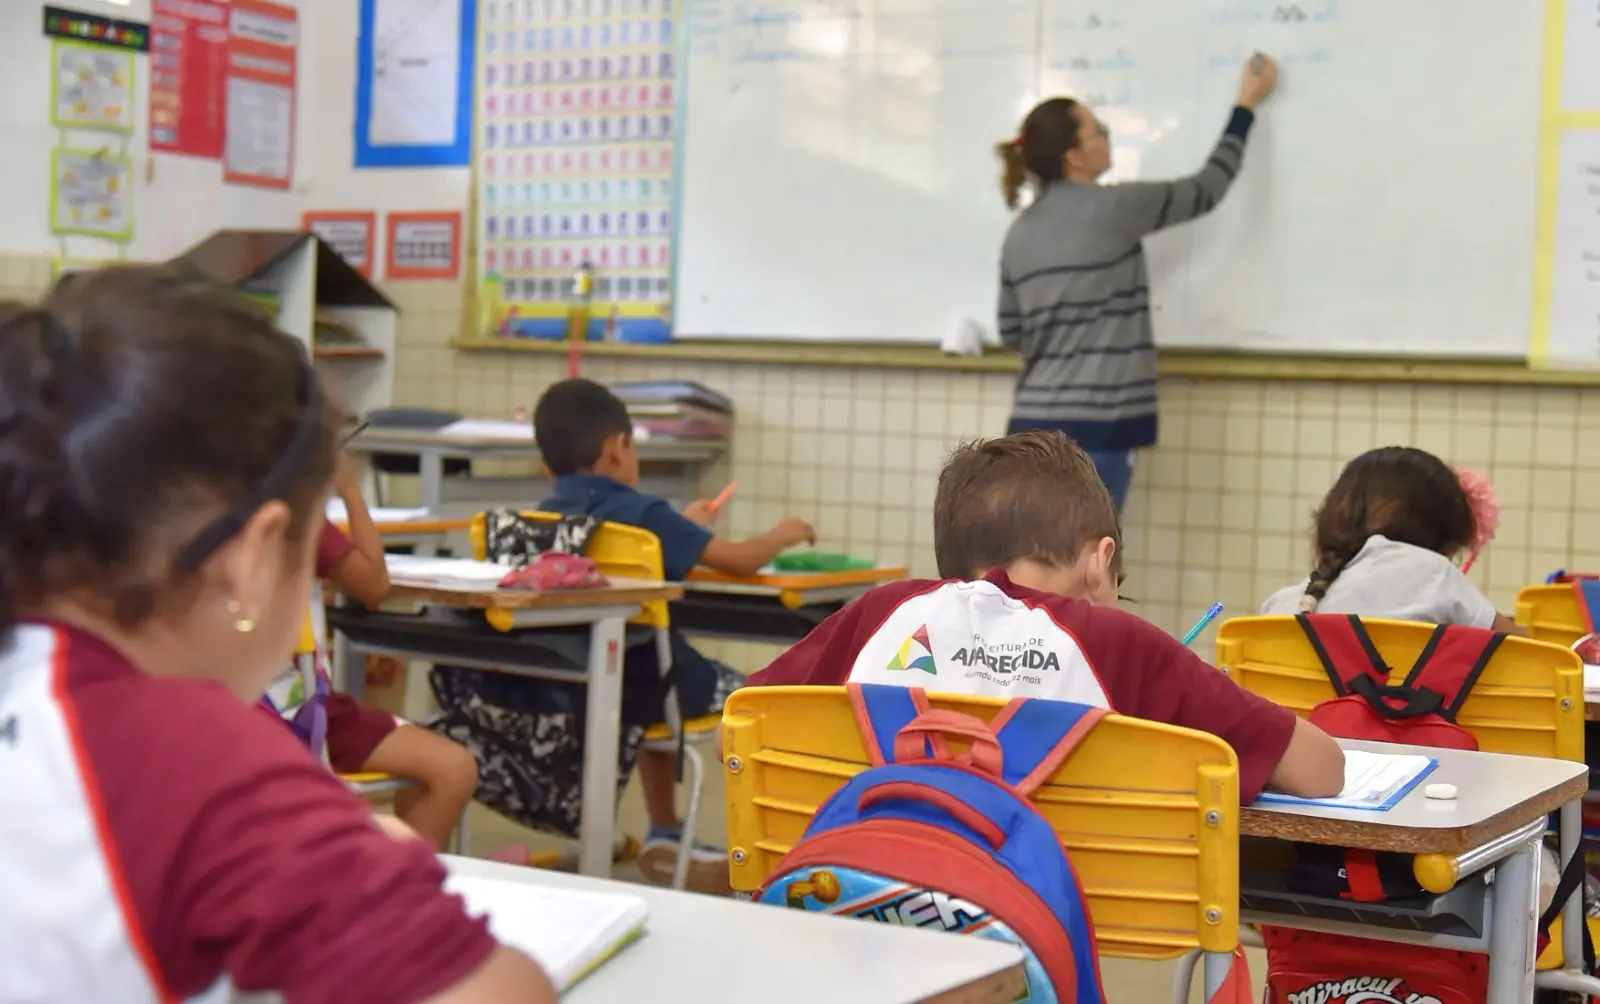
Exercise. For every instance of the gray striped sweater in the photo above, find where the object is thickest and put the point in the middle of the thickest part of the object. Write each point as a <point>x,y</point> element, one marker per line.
<point>1075,298</point>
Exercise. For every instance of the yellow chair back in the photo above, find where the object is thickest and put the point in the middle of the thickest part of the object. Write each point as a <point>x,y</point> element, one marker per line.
<point>307,645</point>
<point>1529,700</point>
<point>1148,813</point>
<point>618,550</point>
<point>1551,613</point>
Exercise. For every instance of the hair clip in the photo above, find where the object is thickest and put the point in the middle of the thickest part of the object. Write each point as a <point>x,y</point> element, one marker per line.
<point>1485,506</point>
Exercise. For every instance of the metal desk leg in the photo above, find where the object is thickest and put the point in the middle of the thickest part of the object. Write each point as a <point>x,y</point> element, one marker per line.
<point>430,471</point>
<point>1572,919</point>
<point>1515,909</point>
<point>349,669</point>
<point>602,735</point>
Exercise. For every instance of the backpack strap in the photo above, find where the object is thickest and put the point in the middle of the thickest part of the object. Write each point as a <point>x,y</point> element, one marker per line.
<point>1450,665</point>
<point>1024,744</point>
<point>1587,590</point>
<point>1036,737</point>
<point>881,712</point>
<point>1345,651</point>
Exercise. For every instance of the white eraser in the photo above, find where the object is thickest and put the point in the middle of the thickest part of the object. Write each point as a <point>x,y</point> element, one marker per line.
<point>1442,792</point>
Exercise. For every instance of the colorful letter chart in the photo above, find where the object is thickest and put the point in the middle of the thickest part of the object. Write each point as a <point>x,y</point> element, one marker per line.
<point>577,110</point>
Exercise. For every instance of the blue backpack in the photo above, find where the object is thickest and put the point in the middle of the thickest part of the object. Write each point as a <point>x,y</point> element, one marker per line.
<point>927,839</point>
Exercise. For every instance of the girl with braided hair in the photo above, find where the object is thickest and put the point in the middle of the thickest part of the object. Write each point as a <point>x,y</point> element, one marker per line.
<point>1386,539</point>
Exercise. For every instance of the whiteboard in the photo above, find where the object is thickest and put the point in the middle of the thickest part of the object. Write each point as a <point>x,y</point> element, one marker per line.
<point>838,180</point>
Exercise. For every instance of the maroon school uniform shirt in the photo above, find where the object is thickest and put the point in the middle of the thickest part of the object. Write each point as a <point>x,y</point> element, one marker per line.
<point>332,545</point>
<point>161,840</point>
<point>996,638</point>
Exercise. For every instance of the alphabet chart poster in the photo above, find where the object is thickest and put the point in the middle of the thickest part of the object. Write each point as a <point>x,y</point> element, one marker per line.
<point>576,115</point>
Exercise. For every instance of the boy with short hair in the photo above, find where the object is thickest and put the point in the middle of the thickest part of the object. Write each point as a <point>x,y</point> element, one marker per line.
<point>585,436</point>
<point>1028,542</point>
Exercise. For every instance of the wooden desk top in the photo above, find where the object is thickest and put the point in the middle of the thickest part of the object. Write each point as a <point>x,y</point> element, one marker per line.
<point>622,594</point>
<point>398,528</point>
<point>778,581</point>
<point>1496,794</point>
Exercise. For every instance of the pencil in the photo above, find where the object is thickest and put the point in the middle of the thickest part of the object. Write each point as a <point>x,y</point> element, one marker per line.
<point>722,498</point>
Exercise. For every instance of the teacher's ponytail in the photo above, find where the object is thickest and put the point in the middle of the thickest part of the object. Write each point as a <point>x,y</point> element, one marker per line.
<point>1038,149</point>
<point>1013,171</point>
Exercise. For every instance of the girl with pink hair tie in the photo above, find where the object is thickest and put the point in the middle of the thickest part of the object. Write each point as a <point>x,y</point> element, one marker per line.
<point>1386,540</point>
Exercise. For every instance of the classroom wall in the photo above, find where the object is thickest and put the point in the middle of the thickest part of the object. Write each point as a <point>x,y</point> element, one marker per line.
<point>180,200</point>
<point>1219,511</point>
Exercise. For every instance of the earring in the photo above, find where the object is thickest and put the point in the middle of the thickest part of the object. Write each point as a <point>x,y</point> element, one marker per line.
<point>241,623</point>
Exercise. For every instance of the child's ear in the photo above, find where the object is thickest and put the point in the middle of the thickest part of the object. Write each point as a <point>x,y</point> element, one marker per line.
<point>1099,567</point>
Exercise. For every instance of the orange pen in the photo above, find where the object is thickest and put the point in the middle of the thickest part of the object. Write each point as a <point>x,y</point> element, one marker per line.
<point>721,499</point>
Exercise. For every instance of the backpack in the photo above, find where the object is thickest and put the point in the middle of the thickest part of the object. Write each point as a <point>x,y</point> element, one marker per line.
<point>1419,711</point>
<point>929,839</point>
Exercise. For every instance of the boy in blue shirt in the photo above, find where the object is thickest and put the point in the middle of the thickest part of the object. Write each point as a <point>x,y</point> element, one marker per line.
<point>585,436</point>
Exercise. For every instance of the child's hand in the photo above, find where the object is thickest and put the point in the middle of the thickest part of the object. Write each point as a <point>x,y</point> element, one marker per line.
<point>700,513</point>
<point>794,531</point>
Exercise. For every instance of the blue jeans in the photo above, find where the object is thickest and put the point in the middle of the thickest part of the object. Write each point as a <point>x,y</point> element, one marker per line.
<point>1116,470</point>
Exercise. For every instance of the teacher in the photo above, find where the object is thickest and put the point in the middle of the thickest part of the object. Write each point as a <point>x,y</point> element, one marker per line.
<point>1074,295</point>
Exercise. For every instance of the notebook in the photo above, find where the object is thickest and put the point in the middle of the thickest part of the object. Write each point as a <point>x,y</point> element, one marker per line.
<point>571,933</point>
<point>1372,781</point>
<point>380,515</point>
<point>1591,678</point>
<point>458,573</point>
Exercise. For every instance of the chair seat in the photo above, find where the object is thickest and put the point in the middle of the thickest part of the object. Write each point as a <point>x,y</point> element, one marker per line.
<point>694,730</point>
<point>1552,956</point>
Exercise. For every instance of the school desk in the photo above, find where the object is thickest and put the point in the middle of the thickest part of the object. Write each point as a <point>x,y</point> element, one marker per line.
<point>440,634</point>
<point>1498,818</point>
<point>669,468</point>
<point>778,607</point>
<point>428,532</point>
<point>720,950</point>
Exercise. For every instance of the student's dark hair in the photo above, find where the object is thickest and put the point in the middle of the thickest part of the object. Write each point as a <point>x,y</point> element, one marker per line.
<point>572,422</point>
<point>1034,494</point>
<point>145,413</point>
<point>1406,494</point>
<point>1049,131</point>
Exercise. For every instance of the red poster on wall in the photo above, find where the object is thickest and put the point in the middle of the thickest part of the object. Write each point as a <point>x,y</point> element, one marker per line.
<point>263,49</point>
<point>188,62</point>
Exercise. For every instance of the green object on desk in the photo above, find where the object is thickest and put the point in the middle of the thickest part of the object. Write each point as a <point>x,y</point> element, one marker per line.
<point>820,561</point>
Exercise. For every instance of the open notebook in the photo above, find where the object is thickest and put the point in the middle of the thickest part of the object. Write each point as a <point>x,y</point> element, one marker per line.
<point>1373,781</point>
<point>451,573</point>
<point>571,933</point>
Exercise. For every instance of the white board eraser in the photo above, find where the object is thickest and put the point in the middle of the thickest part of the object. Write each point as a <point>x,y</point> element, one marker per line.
<point>1441,792</point>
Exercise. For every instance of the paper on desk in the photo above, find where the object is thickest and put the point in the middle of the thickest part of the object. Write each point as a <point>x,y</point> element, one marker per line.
<point>1591,679</point>
<point>1374,781</point>
<point>511,432</point>
<point>414,569</point>
<point>339,514</point>
<point>570,932</point>
<point>479,428</point>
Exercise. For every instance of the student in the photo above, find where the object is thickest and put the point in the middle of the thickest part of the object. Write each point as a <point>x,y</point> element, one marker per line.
<point>360,738</point>
<point>1384,538</point>
<point>1029,547</point>
<point>585,436</point>
<point>164,457</point>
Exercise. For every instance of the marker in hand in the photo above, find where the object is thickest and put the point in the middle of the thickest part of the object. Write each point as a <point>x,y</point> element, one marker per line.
<point>723,497</point>
<point>1200,625</point>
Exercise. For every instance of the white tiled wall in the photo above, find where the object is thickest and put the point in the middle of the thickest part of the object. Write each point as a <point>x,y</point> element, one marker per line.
<point>1219,511</point>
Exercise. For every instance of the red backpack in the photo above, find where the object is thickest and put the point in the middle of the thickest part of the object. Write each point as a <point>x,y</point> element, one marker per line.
<point>1420,711</point>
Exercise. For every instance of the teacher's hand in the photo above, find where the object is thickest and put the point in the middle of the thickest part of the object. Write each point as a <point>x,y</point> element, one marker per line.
<point>1260,77</point>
